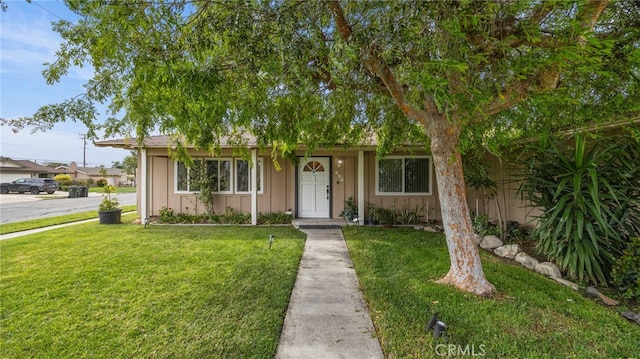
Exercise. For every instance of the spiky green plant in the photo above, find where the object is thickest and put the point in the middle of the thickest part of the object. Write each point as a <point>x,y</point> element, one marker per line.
<point>589,194</point>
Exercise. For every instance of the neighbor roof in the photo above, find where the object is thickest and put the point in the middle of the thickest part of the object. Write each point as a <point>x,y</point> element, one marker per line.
<point>26,165</point>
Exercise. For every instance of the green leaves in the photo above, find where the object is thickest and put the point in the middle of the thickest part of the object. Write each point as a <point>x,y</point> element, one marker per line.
<point>590,201</point>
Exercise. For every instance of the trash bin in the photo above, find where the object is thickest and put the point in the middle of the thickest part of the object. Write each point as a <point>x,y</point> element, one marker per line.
<point>83,191</point>
<point>73,192</point>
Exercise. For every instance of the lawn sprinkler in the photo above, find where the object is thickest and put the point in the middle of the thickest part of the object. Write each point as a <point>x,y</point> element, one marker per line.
<point>271,238</point>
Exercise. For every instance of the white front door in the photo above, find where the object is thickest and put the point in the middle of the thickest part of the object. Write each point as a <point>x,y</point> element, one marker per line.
<point>314,179</point>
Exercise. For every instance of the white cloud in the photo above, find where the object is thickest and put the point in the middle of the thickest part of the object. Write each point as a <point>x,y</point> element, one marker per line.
<point>27,41</point>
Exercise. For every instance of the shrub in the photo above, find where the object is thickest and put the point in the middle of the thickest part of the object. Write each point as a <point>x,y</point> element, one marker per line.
<point>166,215</point>
<point>482,226</point>
<point>79,182</point>
<point>274,218</point>
<point>101,182</point>
<point>409,215</point>
<point>590,200</point>
<point>63,179</point>
<point>350,210</point>
<point>90,182</point>
<point>626,272</point>
<point>386,216</point>
<point>230,216</point>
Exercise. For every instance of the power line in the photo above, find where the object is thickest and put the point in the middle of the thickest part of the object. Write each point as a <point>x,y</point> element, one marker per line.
<point>45,9</point>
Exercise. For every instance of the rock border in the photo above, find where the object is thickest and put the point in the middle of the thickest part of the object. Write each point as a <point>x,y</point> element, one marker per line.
<point>513,252</point>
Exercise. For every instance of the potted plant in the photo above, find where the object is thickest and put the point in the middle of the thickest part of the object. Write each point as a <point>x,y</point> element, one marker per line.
<point>350,210</point>
<point>372,215</point>
<point>108,210</point>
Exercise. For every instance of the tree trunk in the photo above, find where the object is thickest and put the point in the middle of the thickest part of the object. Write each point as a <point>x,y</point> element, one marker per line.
<point>466,269</point>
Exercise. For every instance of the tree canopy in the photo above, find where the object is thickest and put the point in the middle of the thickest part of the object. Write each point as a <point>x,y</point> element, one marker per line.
<point>454,75</point>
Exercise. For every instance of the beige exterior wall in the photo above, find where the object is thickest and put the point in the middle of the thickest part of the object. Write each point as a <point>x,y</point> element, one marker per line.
<point>277,188</point>
<point>280,188</point>
<point>516,208</point>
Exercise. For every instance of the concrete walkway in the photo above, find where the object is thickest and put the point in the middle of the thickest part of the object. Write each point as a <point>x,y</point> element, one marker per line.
<point>327,315</point>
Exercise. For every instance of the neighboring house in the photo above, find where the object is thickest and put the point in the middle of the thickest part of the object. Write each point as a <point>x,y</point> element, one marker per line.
<point>316,187</point>
<point>114,176</point>
<point>11,170</point>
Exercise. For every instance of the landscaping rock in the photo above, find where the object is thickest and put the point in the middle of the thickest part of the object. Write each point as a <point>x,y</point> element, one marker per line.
<point>548,269</point>
<point>507,251</point>
<point>634,317</point>
<point>490,243</point>
<point>593,292</point>
<point>431,229</point>
<point>477,238</point>
<point>526,260</point>
<point>567,283</point>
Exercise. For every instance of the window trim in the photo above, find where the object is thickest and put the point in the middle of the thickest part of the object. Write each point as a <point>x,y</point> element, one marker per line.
<point>235,175</point>
<point>403,193</point>
<point>231,172</point>
<point>176,165</point>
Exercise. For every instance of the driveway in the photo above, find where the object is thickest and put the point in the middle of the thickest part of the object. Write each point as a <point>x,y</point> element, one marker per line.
<point>23,207</point>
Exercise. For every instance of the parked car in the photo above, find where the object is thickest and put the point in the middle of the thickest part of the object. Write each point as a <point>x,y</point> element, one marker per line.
<point>32,185</point>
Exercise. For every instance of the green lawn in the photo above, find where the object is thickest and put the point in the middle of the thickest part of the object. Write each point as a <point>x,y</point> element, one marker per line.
<point>122,291</point>
<point>52,221</point>
<point>124,189</point>
<point>530,316</point>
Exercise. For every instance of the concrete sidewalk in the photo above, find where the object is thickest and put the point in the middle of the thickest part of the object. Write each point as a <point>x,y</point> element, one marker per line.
<point>327,315</point>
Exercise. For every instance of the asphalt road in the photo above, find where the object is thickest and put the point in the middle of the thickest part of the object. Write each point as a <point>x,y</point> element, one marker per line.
<point>23,207</point>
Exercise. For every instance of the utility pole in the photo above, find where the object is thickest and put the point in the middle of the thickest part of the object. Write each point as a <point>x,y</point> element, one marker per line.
<point>83,137</point>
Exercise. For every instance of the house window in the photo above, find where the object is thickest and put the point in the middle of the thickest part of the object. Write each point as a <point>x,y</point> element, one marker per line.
<point>186,179</point>
<point>218,171</point>
<point>243,176</point>
<point>403,175</point>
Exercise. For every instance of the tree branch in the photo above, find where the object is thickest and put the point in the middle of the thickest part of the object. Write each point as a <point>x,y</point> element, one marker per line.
<point>380,69</point>
<point>545,78</point>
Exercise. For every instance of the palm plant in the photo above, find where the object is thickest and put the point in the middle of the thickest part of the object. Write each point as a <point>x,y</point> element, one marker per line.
<point>590,201</point>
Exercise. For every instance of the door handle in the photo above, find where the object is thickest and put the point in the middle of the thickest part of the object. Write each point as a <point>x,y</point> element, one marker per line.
<point>327,191</point>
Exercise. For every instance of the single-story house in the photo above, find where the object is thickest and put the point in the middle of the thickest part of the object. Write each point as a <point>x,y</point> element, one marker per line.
<point>114,176</point>
<point>315,187</point>
<point>11,170</point>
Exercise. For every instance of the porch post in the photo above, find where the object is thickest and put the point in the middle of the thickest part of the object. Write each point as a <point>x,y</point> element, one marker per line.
<point>144,211</point>
<point>361,188</point>
<point>254,187</point>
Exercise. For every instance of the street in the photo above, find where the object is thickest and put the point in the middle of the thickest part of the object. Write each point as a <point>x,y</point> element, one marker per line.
<point>23,207</point>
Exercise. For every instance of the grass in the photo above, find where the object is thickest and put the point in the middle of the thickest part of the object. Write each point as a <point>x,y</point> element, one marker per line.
<point>52,221</point>
<point>123,291</point>
<point>530,317</point>
<point>127,189</point>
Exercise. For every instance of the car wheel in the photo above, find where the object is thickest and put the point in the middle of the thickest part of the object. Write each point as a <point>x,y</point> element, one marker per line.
<point>4,190</point>
<point>35,190</point>
<point>50,192</point>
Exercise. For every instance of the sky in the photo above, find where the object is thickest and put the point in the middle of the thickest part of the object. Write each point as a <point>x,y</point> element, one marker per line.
<point>27,41</point>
